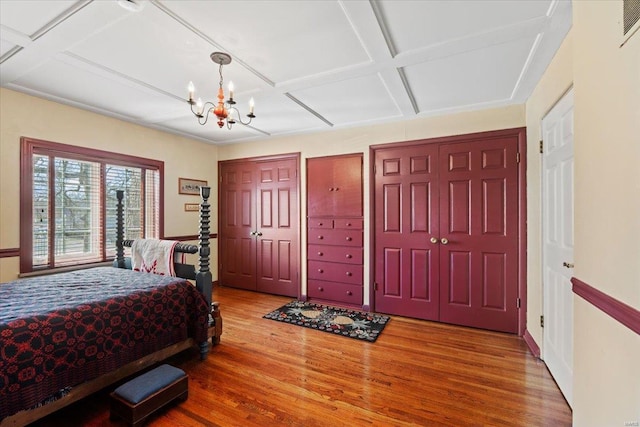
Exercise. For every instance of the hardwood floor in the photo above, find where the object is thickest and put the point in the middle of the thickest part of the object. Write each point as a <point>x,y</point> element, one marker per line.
<point>267,373</point>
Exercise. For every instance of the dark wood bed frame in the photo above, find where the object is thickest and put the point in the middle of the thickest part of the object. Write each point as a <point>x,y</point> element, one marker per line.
<point>203,280</point>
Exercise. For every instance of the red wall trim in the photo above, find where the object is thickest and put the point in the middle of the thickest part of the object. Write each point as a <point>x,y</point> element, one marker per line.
<point>531,343</point>
<point>627,315</point>
<point>9,252</point>
<point>191,237</point>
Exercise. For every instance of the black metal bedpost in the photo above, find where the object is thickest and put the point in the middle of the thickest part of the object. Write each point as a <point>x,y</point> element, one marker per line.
<point>120,229</point>
<point>203,278</point>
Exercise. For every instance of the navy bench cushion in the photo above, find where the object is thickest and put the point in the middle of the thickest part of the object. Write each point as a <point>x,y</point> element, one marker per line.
<point>148,383</point>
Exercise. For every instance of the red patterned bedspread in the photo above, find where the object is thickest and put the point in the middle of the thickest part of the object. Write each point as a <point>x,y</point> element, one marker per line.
<point>60,330</point>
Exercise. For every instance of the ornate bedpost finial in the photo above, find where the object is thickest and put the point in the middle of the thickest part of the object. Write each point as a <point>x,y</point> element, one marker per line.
<point>205,192</point>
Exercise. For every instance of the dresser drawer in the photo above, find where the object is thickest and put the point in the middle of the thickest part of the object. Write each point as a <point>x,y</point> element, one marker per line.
<point>342,292</point>
<point>348,223</point>
<point>335,237</point>
<point>320,223</point>
<point>345,254</point>
<point>334,272</point>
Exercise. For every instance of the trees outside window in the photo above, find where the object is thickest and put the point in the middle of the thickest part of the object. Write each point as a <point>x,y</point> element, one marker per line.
<point>68,203</point>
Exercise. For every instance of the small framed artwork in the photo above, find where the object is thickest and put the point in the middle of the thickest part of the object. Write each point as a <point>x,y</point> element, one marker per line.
<point>190,186</point>
<point>191,207</point>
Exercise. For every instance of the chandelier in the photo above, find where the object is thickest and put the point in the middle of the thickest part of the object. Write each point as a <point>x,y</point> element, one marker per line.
<point>225,111</point>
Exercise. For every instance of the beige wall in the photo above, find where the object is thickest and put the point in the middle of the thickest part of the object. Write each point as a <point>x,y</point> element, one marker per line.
<point>606,81</point>
<point>607,212</point>
<point>23,115</point>
<point>359,139</point>
<point>556,80</point>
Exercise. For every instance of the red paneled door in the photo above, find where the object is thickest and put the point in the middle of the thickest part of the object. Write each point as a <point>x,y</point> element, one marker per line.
<point>259,230</point>
<point>406,221</point>
<point>277,228</point>
<point>236,241</point>
<point>446,232</point>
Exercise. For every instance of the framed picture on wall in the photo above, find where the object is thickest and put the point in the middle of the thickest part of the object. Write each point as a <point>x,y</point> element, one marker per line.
<point>190,186</point>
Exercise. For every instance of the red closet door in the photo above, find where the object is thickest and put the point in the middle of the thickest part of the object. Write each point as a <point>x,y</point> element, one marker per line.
<point>277,227</point>
<point>479,234</point>
<point>446,231</point>
<point>406,221</point>
<point>237,244</point>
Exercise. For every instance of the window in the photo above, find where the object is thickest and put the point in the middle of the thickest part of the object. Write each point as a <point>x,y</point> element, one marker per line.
<point>68,203</point>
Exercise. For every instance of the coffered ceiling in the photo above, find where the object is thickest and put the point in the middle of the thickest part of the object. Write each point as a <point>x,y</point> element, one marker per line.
<point>311,66</point>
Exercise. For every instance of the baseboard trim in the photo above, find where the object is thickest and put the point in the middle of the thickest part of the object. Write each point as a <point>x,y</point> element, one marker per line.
<point>531,343</point>
<point>623,313</point>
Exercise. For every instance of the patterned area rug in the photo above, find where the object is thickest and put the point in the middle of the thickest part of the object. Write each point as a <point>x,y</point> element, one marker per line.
<point>335,320</point>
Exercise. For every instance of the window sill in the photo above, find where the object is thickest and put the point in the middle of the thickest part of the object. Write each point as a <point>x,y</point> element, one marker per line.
<point>65,269</point>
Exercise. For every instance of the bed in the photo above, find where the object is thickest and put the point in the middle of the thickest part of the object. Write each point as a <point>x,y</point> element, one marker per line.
<point>66,335</point>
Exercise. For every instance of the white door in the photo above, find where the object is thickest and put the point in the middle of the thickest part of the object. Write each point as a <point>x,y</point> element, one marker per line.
<point>557,243</point>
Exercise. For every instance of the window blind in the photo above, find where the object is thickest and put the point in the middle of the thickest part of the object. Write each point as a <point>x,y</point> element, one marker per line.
<point>71,204</point>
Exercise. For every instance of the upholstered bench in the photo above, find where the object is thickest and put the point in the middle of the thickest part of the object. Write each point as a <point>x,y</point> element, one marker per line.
<point>140,397</point>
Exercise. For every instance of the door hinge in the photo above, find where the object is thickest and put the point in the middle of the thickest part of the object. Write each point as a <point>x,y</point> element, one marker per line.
<point>541,147</point>
<point>374,169</point>
<point>518,303</point>
<point>542,321</point>
<point>221,179</point>
<point>375,286</point>
<point>517,157</point>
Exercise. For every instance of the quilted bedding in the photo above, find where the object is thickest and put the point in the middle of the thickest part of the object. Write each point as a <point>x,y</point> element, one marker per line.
<point>60,330</point>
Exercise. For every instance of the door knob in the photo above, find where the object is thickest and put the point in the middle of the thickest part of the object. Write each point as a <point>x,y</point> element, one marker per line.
<point>434,240</point>
<point>567,264</point>
<point>444,240</point>
<point>258,233</point>
<point>253,233</point>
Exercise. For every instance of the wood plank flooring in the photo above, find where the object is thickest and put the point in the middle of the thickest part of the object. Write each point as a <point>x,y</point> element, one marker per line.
<point>267,373</point>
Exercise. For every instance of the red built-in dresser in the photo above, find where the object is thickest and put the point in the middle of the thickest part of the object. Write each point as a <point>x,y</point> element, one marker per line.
<point>335,229</point>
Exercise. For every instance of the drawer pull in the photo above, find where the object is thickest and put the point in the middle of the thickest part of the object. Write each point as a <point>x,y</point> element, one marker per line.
<point>349,256</point>
<point>349,239</point>
<point>349,273</point>
<point>320,288</point>
<point>320,224</point>
<point>348,224</point>
<point>320,270</point>
<point>320,237</point>
<point>349,293</point>
<point>320,254</point>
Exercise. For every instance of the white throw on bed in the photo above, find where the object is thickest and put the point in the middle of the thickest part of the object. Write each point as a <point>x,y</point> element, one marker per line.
<point>153,256</point>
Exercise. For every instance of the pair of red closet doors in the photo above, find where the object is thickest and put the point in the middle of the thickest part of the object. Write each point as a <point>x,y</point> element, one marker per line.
<point>446,230</point>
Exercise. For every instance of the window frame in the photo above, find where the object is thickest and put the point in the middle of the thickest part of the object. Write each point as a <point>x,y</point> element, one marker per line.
<point>31,146</point>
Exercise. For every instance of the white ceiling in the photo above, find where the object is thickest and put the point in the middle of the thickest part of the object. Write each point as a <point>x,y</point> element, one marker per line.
<point>310,65</point>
